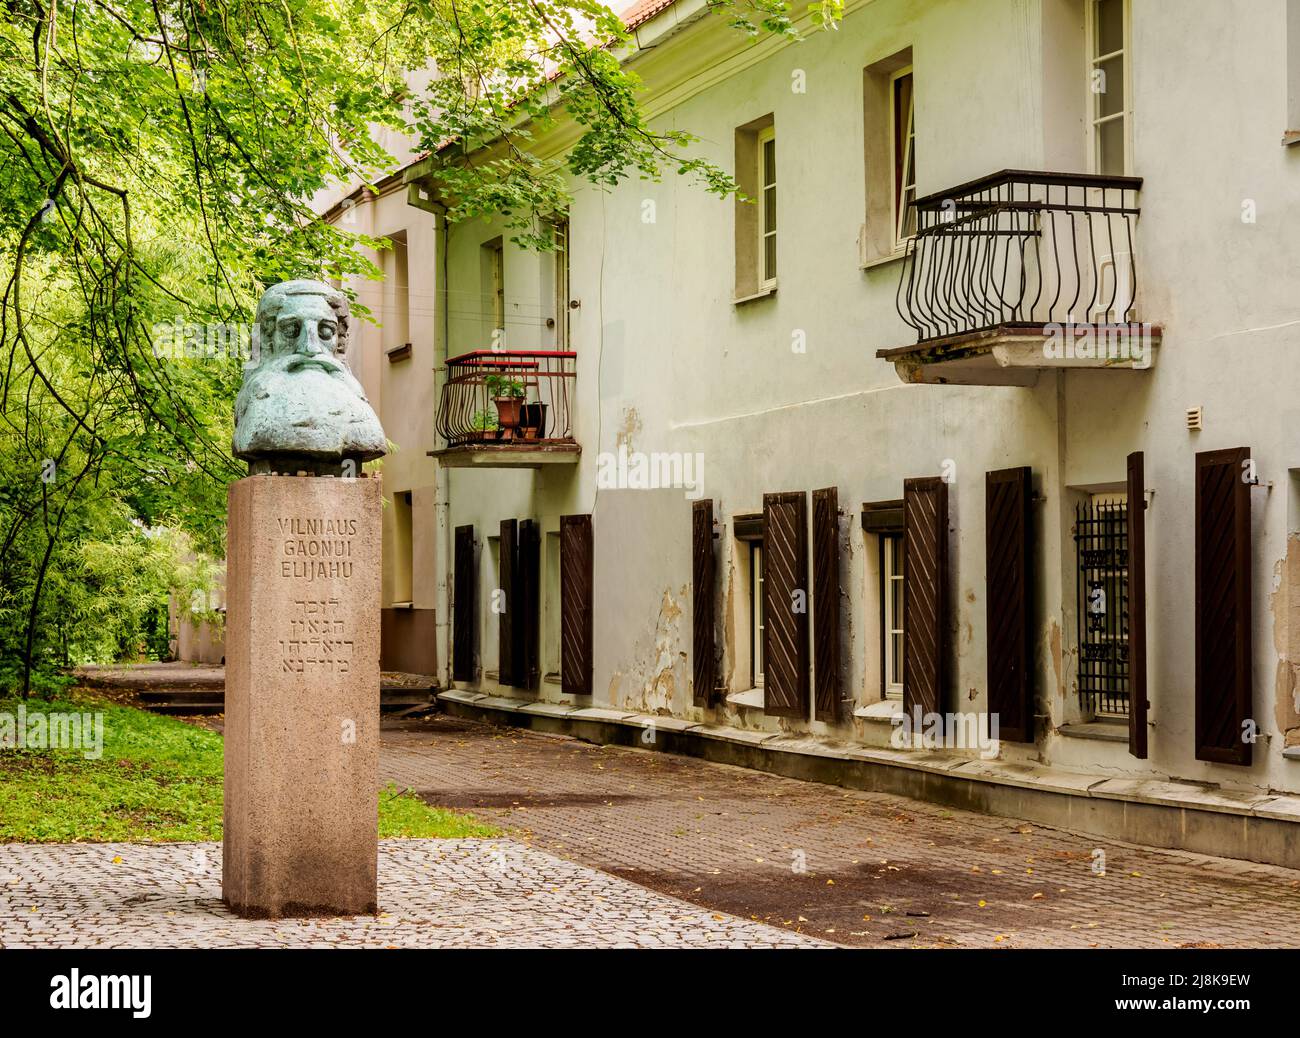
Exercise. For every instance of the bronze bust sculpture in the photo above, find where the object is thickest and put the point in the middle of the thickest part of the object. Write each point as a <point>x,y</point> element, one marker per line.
<point>300,408</point>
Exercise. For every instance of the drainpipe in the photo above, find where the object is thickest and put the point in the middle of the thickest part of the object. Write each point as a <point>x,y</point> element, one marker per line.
<point>421,198</point>
<point>442,505</point>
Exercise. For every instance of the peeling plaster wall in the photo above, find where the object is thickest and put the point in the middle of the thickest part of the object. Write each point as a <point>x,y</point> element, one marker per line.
<point>643,616</point>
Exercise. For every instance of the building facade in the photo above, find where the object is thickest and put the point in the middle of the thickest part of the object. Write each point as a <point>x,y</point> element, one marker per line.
<point>978,403</point>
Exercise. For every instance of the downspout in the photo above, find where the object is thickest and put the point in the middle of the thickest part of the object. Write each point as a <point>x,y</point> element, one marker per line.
<point>418,197</point>
<point>442,504</point>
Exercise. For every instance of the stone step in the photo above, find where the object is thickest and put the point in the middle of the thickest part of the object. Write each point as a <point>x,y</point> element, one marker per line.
<point>403,697</point>
<point>211,701</point>
<point>186,709</point>
<point>181,695</point>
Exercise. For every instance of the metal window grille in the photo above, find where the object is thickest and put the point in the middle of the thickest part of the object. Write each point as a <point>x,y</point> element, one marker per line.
<point>1101,546</point>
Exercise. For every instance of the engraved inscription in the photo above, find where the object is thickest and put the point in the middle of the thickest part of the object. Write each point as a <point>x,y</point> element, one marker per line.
<point>312,548</point>
<point>318,638</point>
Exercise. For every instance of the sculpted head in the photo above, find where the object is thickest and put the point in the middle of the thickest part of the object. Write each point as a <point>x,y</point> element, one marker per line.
<point>301,401</point>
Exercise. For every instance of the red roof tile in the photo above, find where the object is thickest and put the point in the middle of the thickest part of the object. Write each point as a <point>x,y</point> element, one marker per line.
<point>643,10</point>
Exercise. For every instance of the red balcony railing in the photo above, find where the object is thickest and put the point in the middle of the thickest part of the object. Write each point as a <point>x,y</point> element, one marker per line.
<point>468,413</point>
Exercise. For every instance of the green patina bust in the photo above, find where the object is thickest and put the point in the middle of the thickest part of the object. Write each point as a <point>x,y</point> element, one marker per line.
<point>300,407</point>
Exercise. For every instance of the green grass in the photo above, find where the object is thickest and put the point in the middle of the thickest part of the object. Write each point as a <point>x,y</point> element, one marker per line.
<point>402,813</point>
<point>159,779</point>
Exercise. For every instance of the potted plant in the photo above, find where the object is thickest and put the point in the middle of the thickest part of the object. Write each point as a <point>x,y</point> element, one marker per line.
<point>508,394</point>
<point>483,426</point>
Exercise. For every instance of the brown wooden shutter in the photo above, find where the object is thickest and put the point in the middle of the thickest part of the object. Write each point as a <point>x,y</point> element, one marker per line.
<point>703,594</point>
<point>925,594</point>
<point>508,559</point>
<point>1223,643</point>
<point>528,595</point>
<point>785,604</point>
<point>464,607</point>
<point>826,603</point>
<point>1009,588</point>
<point>1137,607</point>
<point>575,604</point>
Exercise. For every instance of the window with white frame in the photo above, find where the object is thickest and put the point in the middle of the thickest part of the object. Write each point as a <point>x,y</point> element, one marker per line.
<point>767,206</point>
<point>903,144</point>
<point>494,290</point>
<point>891,613</point>
<point>756,611</point>
<point>755,206</point>
<point>1292,134</point>
<point>1110,110</point>
<point>561,229</point>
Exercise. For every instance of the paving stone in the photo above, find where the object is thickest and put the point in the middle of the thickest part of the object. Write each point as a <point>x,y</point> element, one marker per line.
<point>732,840</point>
<point>432,894</point>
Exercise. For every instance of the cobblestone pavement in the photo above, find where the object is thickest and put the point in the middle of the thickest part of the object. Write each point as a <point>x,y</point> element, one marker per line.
<point>854,868</point>
<point>432,894</point>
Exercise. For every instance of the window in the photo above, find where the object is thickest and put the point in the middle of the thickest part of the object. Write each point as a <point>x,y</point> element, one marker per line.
<point>561,230</point>
<point>494,291</point>
<point>756,611</point>
<point>1108,84</point>
<point>767,206</point>
<point>891,613</point>
<point>903,130</point>
<point>402,553</point>
<point>1292,134</point>
<point>888,157</point>
<point>490,646</point>
<point>551,606</point>
<point>396,316</point>
<point>1101,547</point>
<point>755,209</point>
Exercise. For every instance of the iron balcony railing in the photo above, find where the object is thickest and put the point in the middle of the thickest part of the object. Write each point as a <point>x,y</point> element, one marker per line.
<point>468,410</point>
<point>1023,249</point>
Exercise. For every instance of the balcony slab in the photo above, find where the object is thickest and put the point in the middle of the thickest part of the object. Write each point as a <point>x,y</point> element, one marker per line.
<point>521,455</point>
<point>1016,355</point>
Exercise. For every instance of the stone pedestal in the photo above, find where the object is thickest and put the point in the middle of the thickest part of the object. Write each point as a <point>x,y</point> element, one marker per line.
<point>302,696</point>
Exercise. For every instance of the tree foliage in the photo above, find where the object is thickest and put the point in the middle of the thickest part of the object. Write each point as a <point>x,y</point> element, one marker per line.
<point>160,160</point>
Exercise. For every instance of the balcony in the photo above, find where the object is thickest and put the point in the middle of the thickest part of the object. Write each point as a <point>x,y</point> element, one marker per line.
<point>534,430</point>
<point>1019,273</point>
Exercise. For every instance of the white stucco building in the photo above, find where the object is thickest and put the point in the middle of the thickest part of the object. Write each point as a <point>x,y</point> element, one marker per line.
<point>931,363</point>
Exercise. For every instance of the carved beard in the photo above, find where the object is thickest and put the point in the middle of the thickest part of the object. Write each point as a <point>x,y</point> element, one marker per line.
<point>313,406</point>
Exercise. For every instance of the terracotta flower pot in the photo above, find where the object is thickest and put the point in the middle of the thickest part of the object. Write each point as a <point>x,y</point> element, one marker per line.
<point>508,410</point>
